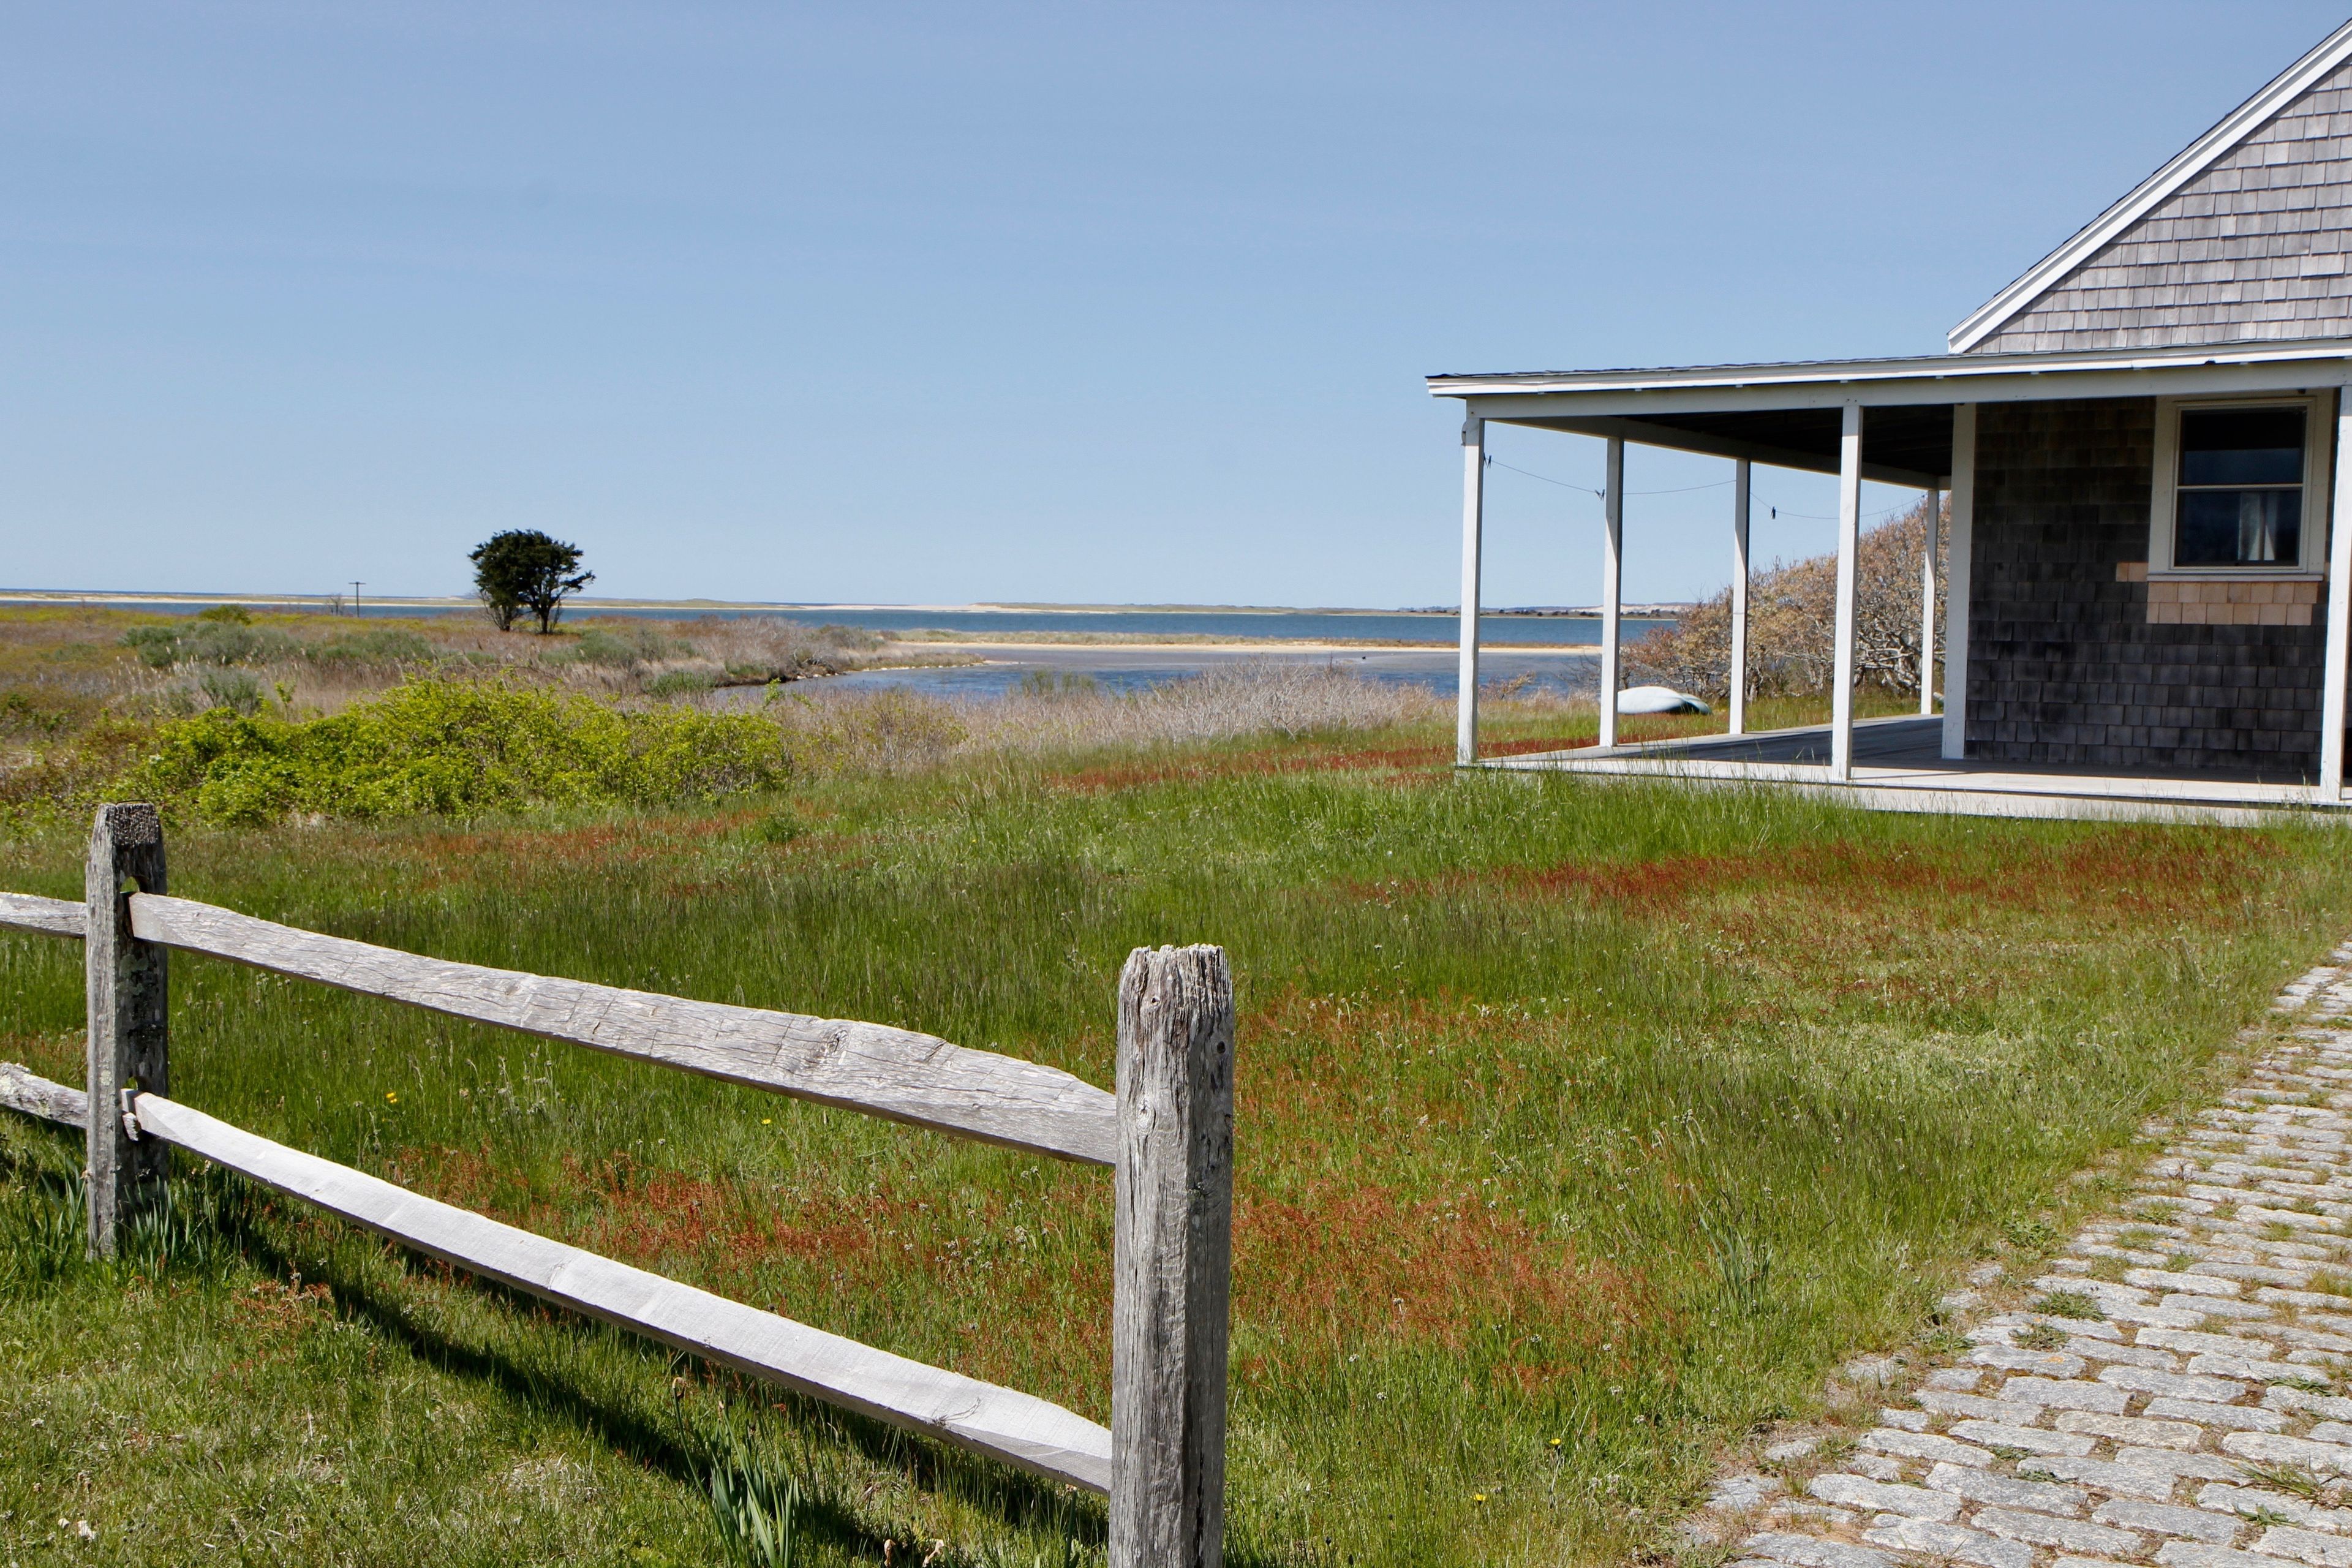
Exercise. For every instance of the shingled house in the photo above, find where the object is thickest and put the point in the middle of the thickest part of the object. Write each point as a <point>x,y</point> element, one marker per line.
<point>2141,438</point>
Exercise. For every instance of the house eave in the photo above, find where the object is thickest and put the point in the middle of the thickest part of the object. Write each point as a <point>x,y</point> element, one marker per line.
<point>1927,378</point>
<point>1774,414</point>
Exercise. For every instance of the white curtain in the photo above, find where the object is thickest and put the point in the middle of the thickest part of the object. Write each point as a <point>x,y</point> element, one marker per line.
<point>2262,518</point>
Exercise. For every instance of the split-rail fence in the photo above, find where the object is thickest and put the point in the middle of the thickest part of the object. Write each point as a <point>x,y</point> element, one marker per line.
<point>1167,1134</point>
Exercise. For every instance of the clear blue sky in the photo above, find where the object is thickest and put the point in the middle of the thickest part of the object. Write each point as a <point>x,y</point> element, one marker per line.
<point>940,303</point>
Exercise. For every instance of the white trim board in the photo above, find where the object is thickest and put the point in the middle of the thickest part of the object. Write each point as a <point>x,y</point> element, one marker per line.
<point>1909,379</point>
<point>2194,159</point>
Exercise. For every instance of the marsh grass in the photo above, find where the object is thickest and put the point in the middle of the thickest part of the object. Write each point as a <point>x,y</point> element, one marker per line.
<point>1582,1129</point>
<point>61,671</point>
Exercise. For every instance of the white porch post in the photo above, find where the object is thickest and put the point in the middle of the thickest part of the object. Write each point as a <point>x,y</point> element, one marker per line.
<point>1739,673</point>
<point>1928,607</point>
<point>2339,611</point>
<point>1956,581</point>
<point>1849,543</point>
<point>1473,500</point>
<point>1613,582</point>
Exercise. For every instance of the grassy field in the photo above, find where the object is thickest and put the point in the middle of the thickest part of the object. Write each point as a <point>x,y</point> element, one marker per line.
<point>1582,1129</point>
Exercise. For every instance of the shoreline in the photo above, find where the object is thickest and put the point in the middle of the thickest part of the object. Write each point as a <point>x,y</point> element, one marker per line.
<point>689,608</point>
<point>1263,644</point>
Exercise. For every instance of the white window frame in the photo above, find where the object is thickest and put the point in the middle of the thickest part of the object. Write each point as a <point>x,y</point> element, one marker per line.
<point>2319,444</point>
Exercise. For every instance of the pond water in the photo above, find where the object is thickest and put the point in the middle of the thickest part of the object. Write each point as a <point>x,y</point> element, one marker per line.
<point>1310,625</point>
<point>1551,653</point>
<point>1120,669</point>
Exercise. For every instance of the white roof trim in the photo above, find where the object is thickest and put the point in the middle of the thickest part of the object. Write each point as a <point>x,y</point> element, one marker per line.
<point>1922,367</point>
<point>2201,155</point>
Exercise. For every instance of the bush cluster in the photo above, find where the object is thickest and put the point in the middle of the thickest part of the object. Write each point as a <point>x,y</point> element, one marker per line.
<point>208,642</point>
<point>1792,623</point>
<point>223,642</point>
<point>452,748</point>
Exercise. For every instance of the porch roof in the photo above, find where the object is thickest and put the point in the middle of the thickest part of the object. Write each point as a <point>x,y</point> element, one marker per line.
<point>1789,414</point>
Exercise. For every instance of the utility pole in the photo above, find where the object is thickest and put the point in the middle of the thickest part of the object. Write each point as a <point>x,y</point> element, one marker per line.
<point>356,586</point>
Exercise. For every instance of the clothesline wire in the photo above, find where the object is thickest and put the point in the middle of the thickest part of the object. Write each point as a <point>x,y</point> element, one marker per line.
<point>1588,489</point>
<point>1773,511</point>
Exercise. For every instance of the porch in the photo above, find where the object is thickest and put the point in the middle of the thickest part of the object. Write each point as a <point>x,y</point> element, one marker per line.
<point>2085,670</point>
<point>1899,765</point>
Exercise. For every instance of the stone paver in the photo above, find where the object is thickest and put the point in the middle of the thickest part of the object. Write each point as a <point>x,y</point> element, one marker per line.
<point>2175,1390</point>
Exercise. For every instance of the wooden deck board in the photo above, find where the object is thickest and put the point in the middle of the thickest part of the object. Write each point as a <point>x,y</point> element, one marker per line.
<point>1897,768</point>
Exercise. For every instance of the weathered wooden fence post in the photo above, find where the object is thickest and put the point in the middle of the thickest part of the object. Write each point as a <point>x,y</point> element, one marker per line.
<point>1172,1263</point>
<point>128,1021</point>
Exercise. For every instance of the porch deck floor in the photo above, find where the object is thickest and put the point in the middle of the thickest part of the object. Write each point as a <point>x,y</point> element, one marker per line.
<point>1897,766</point>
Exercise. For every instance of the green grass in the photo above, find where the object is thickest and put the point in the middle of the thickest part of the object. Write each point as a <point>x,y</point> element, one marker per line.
<point>1505,726</point>
<point>1582,1128</point>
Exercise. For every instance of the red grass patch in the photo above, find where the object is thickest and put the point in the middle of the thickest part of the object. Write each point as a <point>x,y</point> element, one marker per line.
<point>467,854</point>
<point>1111,777</point>
<point>2143,870</point>
<point>638,1215</point>
<point>1038,1307</point>
<point>48,1055</point>
<point>275,1307</point>
<point>1366,1249</point>
<point>1350,1259</point>
<point>1630,732</point>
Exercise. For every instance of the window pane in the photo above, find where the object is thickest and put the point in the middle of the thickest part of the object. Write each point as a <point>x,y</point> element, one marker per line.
<point>2238,528</point>
<point>2241,445</point>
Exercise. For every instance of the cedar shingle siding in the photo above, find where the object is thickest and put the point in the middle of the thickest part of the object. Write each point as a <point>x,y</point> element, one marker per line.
<point>2254,247</point>
<point>2063,665</point>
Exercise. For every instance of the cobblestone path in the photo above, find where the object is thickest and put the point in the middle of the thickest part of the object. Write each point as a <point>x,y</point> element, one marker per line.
<point>2173,1389</point>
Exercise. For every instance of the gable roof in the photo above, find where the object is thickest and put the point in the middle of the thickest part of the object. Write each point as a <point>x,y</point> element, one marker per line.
<point>2199,158</point>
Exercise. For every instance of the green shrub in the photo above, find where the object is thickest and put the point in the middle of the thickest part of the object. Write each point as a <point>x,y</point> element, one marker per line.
<point>68,777</point>
<point>598,647</point>
<point>865,639</point>
<point>208,642</point>
<point>377,645</point>
<point>452,748</point>
<point>43,711</point>
<point>156,646</point>
<point>232,615</point>
<point>234,690</point>
<point>618,647</point>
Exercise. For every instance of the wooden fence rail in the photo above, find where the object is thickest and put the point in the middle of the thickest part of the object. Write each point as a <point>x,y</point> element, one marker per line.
<point>1167,1134</point>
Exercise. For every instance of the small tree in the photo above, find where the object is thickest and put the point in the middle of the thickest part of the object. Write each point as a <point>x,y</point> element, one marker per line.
<point>523,569</point>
